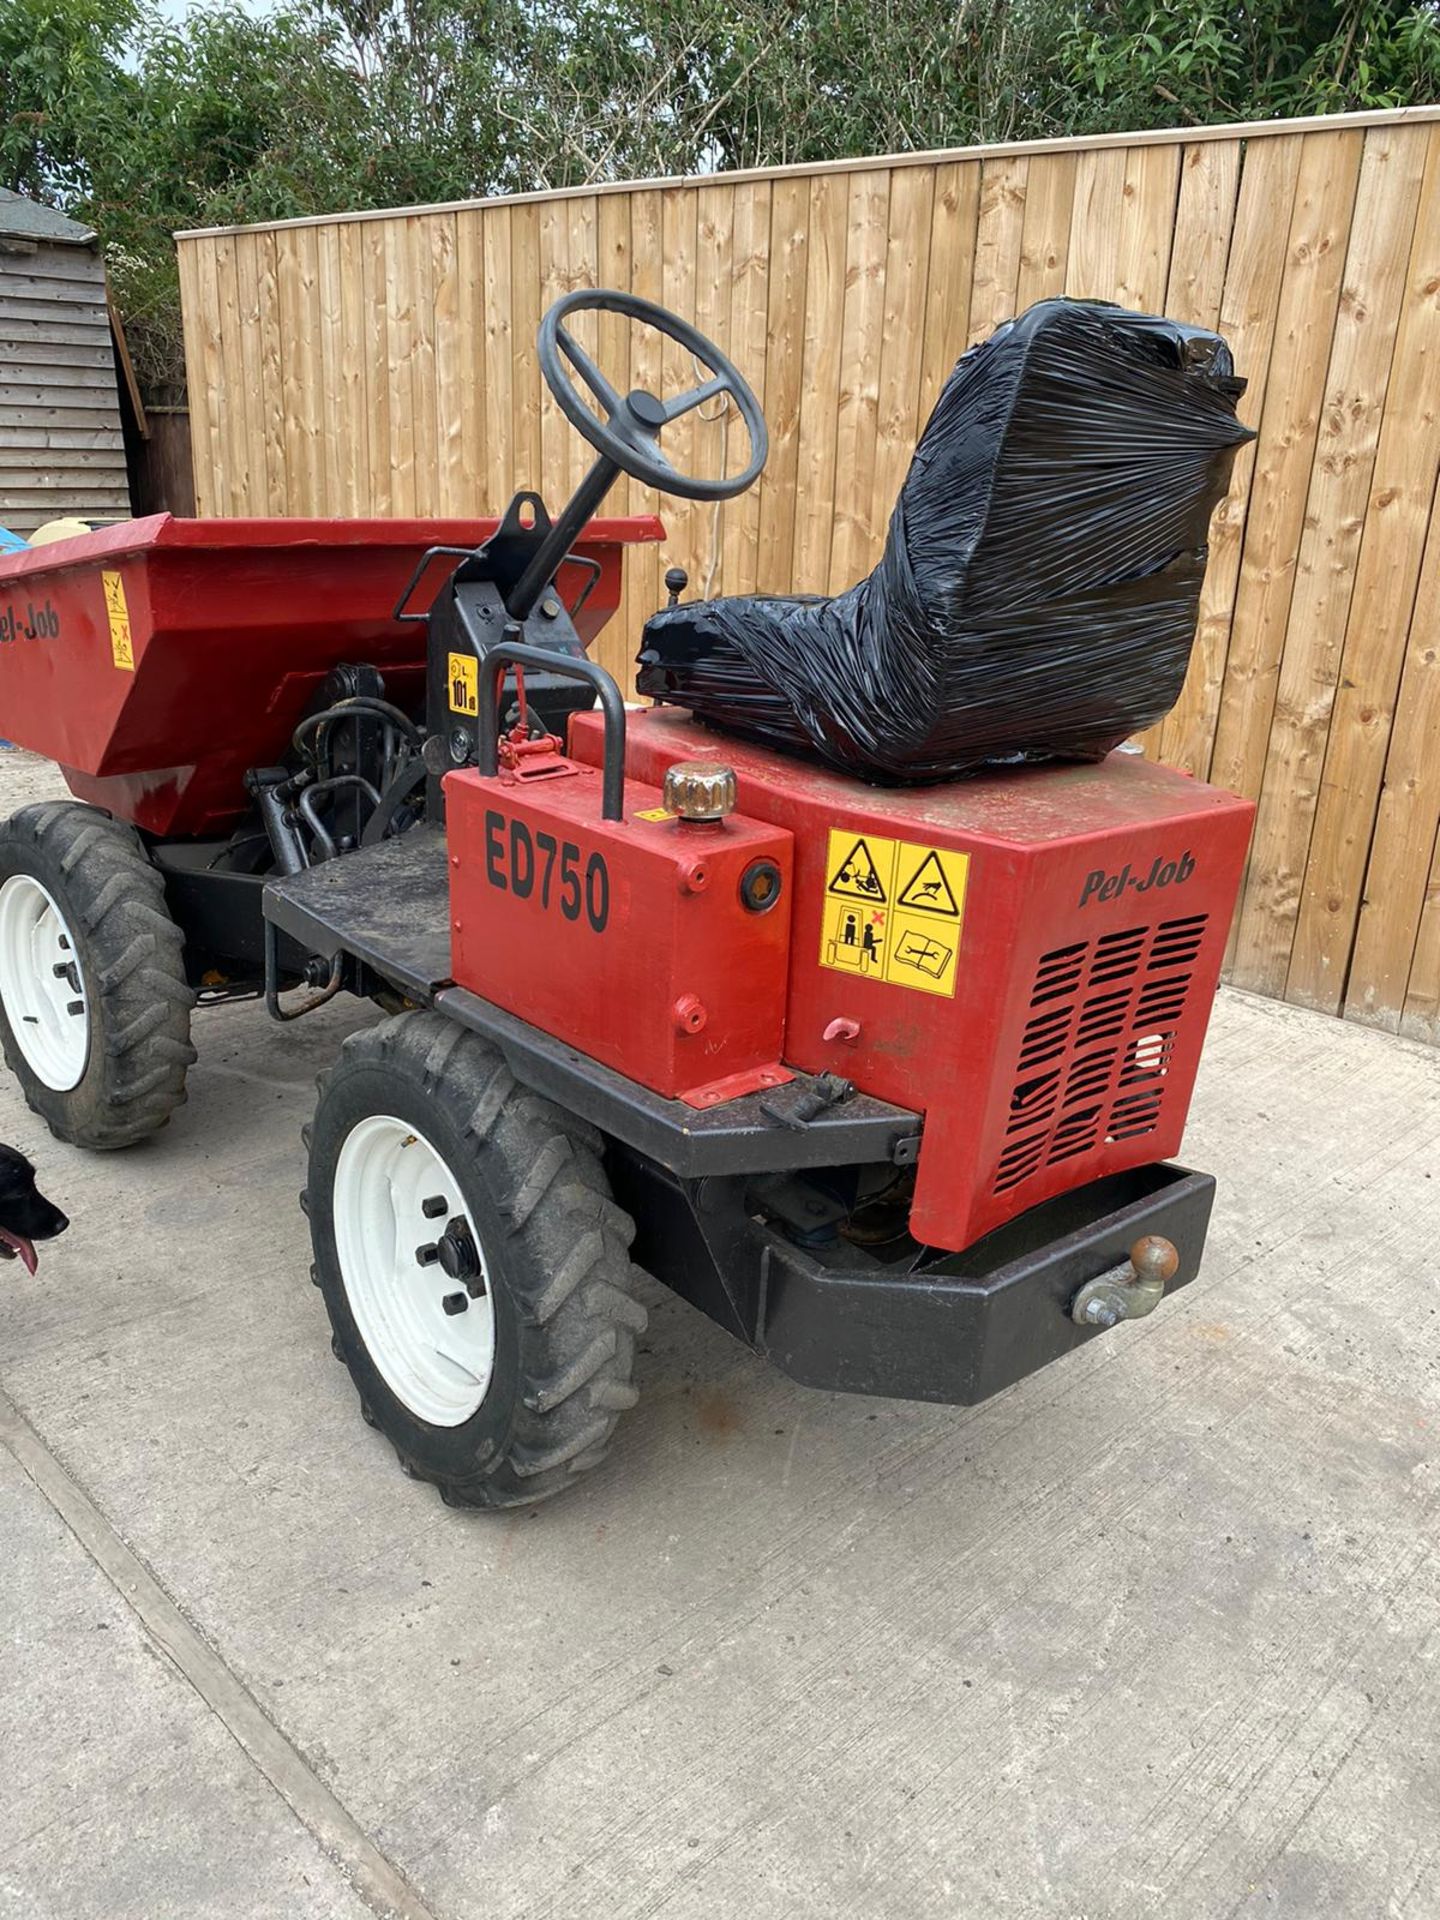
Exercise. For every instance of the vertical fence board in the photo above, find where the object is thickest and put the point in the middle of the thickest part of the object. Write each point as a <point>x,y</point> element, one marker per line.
<point>251,395</point>
<point>1045,233</point>
<point>902,350</point>
<point>399,366</point>
<point>201,308</point>
<point>820,388</point>
<point>1389,959</point>
<point>697,441</point>
<point>952,267</point>
<point>1199,249</point>
<point>1092,265</point>
<point>1396,518</point>
<point>643,567</point>
<point>1251,268</point>
<point>330,359</point>
<point>376,296</point>
<point>525,443</point>
<point>354,439</point>
<point>495,290</point>
<point>999,232</point>
<point>748,347</point>
<point>1285,453</point>
<point>853,543</point>
<point>784,366</point>
<point>1148,194</point>
<point>1354,398</point>
<point>233,441</point>
<point>386,365</point>
<point>615,648</point>
<point>456,349</point>
<point>679,224</point>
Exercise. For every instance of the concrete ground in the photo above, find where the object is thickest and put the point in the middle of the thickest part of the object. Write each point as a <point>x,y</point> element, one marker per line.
<point>1156,1632</point>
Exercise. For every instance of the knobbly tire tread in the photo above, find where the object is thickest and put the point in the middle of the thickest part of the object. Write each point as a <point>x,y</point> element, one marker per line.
<point>133,968</point>
<point>563,1266</point>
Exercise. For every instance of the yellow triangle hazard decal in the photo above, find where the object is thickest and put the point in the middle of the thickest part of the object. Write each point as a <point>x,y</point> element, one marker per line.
<point>929,890</point>
<point>857,877</point>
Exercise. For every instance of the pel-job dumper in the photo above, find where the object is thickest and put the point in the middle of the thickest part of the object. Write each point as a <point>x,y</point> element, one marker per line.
<point>886,1077</point>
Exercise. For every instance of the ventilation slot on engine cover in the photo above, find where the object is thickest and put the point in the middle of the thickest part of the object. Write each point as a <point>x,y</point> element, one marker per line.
<point>1093,1061</point>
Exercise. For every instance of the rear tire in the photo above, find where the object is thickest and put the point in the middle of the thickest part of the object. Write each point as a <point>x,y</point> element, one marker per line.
<point>86,938</point>
<point>514,1395</point>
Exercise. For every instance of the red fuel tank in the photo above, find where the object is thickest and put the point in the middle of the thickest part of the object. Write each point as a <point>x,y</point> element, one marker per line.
<point>656,946</point>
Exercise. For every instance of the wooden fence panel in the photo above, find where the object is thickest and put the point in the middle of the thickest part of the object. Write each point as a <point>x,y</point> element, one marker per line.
<point>385,363</point>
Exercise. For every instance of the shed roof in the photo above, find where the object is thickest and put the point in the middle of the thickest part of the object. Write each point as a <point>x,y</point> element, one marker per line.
<point>28,220</point>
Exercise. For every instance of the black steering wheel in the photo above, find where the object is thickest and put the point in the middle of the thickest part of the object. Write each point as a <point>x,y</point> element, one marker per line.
<point>629,432</point>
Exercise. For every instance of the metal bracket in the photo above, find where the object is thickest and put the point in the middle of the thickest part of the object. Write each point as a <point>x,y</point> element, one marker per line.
<point>1129,1291</point>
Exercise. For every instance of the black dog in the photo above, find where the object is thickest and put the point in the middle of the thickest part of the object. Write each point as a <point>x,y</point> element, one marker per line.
<point>25,1214</point>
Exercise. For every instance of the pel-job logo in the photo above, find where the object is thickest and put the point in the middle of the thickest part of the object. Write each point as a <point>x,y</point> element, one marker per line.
<point>35,623</point>
<point>1101,885</point>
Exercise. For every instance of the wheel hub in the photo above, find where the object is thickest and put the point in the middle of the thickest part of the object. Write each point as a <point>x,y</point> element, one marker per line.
<point>432,1340</point>
<point>460,1257</point>
<point>42,984</point>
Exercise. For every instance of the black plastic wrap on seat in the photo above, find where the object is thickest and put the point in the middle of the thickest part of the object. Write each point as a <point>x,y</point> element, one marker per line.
<point>1038,593</point>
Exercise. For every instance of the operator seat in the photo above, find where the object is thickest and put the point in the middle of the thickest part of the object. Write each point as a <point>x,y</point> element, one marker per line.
<point>1038,592</point>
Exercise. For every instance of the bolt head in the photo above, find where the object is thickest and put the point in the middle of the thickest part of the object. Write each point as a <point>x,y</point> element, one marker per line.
<point>454,1303</point>
<point>1101,1314</point>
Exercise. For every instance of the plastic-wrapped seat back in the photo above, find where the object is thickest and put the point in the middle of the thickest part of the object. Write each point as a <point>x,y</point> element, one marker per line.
<point>1038,593</point>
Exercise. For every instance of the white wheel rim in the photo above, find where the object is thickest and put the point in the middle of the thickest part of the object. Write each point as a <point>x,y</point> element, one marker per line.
<point>47,1009</point>
<point>438,1363</point>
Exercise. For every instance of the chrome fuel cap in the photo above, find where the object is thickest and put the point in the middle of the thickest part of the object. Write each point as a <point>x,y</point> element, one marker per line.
<point>699,790</point>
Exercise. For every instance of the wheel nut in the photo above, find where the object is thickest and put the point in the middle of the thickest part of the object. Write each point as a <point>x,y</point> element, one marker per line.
<point>427,1255</point>
<point>436,1207</point>
<point>454,1303</point>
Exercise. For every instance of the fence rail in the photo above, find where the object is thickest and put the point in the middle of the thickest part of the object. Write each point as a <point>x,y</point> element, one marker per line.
<point>385,363</point>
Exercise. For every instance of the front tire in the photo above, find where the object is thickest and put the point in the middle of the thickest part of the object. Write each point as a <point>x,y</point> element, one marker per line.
<point>474,1265</point>
<point>94,1003</point>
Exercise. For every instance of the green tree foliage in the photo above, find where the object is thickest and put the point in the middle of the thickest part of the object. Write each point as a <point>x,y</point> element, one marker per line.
<point>1134,64</point>
<point>142,126</point>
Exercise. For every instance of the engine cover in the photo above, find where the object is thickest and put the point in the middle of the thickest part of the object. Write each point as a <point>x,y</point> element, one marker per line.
<point>1028,958</point>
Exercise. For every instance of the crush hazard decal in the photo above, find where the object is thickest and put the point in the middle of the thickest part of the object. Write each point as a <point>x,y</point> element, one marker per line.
<point>893,911</point>
<point>122,651</point>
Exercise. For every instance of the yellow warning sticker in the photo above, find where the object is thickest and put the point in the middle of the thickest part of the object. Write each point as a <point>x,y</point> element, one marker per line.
<point>893,911</point>
<point>464,676</point>
<point>122,652</point>
<point>656,813</point>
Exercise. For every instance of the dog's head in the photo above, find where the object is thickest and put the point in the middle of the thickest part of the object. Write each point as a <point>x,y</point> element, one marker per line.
<point>25,1214</point>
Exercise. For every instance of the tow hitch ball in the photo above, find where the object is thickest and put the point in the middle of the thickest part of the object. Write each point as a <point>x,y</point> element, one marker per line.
<point>1129,1291</point>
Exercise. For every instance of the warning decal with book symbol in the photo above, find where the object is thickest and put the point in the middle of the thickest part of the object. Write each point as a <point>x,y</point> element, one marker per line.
<point>893,911</point>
